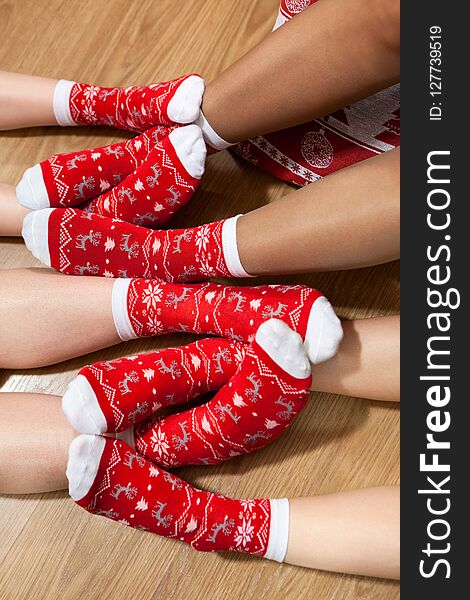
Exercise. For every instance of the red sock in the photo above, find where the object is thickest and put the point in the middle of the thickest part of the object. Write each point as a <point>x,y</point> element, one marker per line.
<point>143,307</point>
<point>135,108</point>
<point>144,180</point>
<point>106,477</point>
<point>115,395</point>
<point>81,243</point>
<point>258,404</point>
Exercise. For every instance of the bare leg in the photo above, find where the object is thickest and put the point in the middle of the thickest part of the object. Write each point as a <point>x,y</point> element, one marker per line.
<point>348,220</point>
<point>33,449</point>
<point>325,58</point>
<point>11,212</point>
<point>26,101</point>
<point>48,317</point>
<point>353,532</point>
<point>368,361</point>
<point>41,305</point>
<point>350,532</point>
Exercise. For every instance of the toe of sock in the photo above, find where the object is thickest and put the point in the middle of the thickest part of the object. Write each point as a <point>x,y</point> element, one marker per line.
<point>186,102</point>
<point>31,191</point>
<point>35,233</point>
<point>190,147</point>
<point>324,332</point>
<point>81,407</point>
<point>85,453</point>
<point>284,346</point>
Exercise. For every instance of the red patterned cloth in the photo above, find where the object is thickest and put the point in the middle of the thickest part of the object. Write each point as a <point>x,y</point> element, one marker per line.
<point>307,152</point>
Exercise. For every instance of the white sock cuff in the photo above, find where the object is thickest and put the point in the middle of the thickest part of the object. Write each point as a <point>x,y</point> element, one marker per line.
<point>61,102</point>
<point>211,136</point>
<point>230,248</point>
<point>119,307</point>
<point>278,530</point>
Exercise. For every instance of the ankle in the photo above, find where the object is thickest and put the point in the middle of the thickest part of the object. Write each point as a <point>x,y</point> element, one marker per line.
<point>211,137</point>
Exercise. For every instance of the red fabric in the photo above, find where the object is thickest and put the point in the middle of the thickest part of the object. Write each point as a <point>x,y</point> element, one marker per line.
<point>140,181</point>
<point>135,108</point>
<point>289,8</point>
<point>156,307</point>
<point>82,243</point>
<point>255,407</point>
<point>310,151</point>
<point>131,389</point>
<point>135,492</point>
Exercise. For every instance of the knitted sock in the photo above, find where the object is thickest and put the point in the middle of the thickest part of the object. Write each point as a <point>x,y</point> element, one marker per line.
<point>107,478</point>
<point>213,140</point>
<point>115,395</point>
<point>135,108</point>
<point>269,389</point>
<point>143,307</point>
<point>81,243</point>
<point>143,180</point>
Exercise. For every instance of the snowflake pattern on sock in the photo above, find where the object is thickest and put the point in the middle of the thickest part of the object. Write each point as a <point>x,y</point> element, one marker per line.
<point>254,408</point>
<point>82,243</point>
<point>135,108</point>
<point>134,492</point>
<point>156,307</point>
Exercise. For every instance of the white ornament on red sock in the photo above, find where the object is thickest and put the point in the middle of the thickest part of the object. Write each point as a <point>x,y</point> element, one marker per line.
<point>107,478</point>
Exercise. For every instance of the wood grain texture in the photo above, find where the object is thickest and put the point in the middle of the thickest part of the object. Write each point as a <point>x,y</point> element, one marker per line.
<point>49,548</point>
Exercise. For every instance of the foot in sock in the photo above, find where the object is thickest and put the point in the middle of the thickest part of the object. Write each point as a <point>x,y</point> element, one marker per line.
<point>270,388</point>
<point>135,108</point>
<point>262,388</point>
<point>80,243</point>
<point>106,477</point>
<point>112,396</point>
<point>144,180</point>
<point>143,307</point>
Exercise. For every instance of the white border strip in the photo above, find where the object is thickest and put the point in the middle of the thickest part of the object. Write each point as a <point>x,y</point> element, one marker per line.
<point>61,103</point>
<point>119,307</point>
<point>278,530</point>
<point>230,248</point>
<point>212,137</point>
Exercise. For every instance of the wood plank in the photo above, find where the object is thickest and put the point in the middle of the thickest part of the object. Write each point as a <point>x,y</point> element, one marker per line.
<point>51,549</point>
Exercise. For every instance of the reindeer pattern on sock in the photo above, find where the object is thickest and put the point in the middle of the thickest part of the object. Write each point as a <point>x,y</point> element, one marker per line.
<point>226,311</point>
<point>228,425</point>
<point>157,501</point>
<point>92,237</point>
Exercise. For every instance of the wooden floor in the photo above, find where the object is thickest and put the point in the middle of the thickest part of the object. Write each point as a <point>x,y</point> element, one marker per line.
<point>49,548</point>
